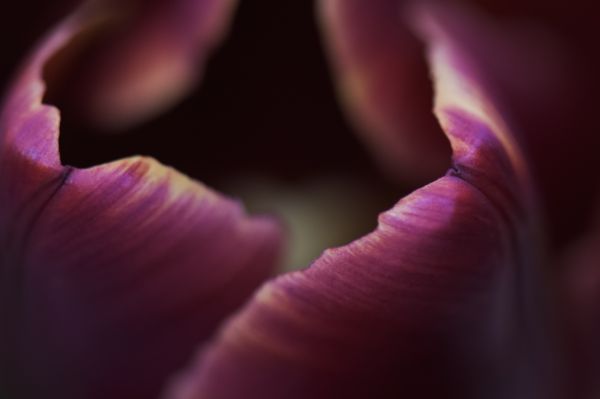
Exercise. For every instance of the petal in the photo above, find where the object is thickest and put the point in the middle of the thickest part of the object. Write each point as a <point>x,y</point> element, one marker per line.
<point>138,57</point>
<point>109,276</point>
<point>439,301</point>
<point>382,79</point>
<point>545,85</point>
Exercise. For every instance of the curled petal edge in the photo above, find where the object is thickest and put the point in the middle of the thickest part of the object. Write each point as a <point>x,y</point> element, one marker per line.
<point>442,298</point>
<point>111,275</point>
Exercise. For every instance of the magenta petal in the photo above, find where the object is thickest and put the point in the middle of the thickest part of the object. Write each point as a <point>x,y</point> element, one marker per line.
<point>546,86</point>
<point>543,89</point>
<point>439,301</point>
<point>126,269</point>
<point>109,276</point>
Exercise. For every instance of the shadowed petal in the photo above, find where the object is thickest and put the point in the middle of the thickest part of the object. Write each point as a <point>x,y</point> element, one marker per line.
<point>382,79</point>
<point>580,283</point>
<point>109,276</point>
<point>439,301</point>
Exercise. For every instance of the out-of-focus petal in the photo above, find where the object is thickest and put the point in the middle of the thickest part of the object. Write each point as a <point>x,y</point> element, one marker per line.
<point>439,301</point>
<point>532,74</point>
<point>109,276</point>
<point>139,57</point>
<point>382,79</point>
<point>580,305</point>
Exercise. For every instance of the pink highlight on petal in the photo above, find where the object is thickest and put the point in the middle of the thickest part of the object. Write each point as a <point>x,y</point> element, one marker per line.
<point>383,83</point>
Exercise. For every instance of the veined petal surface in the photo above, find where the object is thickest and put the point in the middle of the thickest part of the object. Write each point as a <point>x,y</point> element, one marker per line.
<point>439,301</point>
<point>110,276</point>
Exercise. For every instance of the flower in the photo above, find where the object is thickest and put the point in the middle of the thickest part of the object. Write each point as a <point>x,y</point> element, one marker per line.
<point>114,276</point>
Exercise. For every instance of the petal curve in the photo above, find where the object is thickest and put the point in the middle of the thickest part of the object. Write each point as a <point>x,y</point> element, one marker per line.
<point>440,300</point>
<point>546,83</point>
<point>382,81</point>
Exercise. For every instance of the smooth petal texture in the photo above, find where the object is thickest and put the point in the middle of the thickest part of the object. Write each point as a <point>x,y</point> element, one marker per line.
<point>382,79</point>
<point>533,75</point>
<point>579,285</point>
<point>109,276</point>
<point>439,301</point>
<point>139,57</point>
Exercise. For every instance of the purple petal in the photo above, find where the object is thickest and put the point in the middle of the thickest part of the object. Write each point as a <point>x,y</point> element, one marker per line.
<point>109,276</point>
<point>382,79</point>
<point>439,301</point>
<point>137,58</point>
<point>550,97</point>
<point>546,86</point>
<point>426,305</point>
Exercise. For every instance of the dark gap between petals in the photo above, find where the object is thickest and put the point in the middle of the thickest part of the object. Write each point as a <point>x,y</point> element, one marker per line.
<point>265,114</point>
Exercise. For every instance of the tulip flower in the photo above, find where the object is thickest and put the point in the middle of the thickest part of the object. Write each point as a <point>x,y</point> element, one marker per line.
<point>130,280</point>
